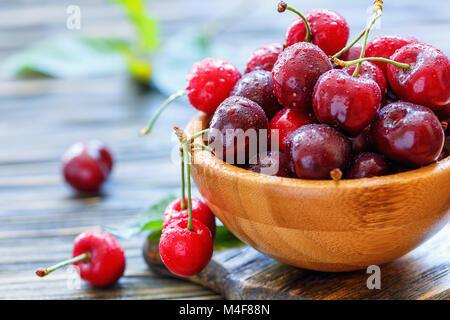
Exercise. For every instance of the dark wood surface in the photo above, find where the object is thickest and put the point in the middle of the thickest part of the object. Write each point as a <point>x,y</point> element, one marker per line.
<point>40,118</point>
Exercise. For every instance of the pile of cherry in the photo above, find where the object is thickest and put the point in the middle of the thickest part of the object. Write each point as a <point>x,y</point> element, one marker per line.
<point>341,110</point>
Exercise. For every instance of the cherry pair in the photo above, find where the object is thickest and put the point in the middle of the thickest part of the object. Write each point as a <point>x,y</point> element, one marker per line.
<point>186,243</point>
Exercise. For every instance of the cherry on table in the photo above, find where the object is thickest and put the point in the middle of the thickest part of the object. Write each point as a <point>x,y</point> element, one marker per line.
<point>99,257</point>
<point>296,72</point>
<point>385,47</point>
<point>350,103</point>
<point>408,133</point>
<point>318,151</point>
<point>186,252</point>
<point>272,163</point>
<point>200,211</point>
<point>235,117</point>
<point>427,82</point>
<point>366,165</point>
<point>264,57</point>
<point>258,86</point>
<point>210,81</point>
<point>86,165</point>
<point>287,121</point>
<point>329,30</point>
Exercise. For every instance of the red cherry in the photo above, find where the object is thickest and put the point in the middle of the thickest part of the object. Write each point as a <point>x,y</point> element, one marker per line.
<point>99,257</point>
<point>316,150</point>
<point>106,262</point>
<point>272,163</point>
<point>86,165</point>
<point>258,87</point>
<point>385,47</point>
<point>329,30</point>
<point>444,113</point>
<point>353,53</point>
<point>184,252</point>
<point>296,72</point>
<point>344,101</point>
<point>427,82</point>
<point>210,81</point>
<point>264,57</point>
<point>362,142</point>
<point>235,117</point>
<point>370,71</point>
<point>200,211</point>
<point>287,121</point>
<point>408,133</point>
<point>366,165</point>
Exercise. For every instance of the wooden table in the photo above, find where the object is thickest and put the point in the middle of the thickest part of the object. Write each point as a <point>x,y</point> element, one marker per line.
<point>40,118</point>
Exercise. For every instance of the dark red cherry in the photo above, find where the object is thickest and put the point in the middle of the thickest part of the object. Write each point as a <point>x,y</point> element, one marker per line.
<point>363,141</point>
<point>427,82</point>
<point>385,47</point>
<point>287,121</point>
<point>235,129</point>
<point>258,86</point>
<point>370,71</point>
<point>86,165</point>
<point>444,154</point>
<point>366,165</point>
<point>347,102</point>
<point>272,163</point>
<point>264,57</point>
<point>444,114</point>
<point>296,72</point>
<point>316,150</point>
<point>210,81</point>
<point>329,30</point>
<point>352,54</point>
<point>408,133</point>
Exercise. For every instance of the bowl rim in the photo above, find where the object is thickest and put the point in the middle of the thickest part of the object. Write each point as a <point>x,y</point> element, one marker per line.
<point>208,159</point>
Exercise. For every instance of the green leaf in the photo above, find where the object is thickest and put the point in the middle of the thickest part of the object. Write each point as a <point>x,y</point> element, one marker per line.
<point>147,220</point>
<point>224,239</point>
<point>68,58</point>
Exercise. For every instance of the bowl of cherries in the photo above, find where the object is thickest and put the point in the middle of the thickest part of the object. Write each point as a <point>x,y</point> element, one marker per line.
<point>325,154</point>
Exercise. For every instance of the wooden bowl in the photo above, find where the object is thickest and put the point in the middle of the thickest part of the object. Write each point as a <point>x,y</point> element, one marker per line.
<point>325,225</point>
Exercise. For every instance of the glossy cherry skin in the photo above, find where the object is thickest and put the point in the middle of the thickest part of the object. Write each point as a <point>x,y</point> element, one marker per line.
<point>234,117</point>
<point>258,86</point>
<point>353,53</point>
<point>210,81</point>
<point>106,263</point>
<point>86,165</point>
<point>363,141</point>
<point>329,30</point>
<point>370,71</point>
<point>408,133</point>
<point>272,163</point>
<point>296,72</point>
<point>385,47</point>
<point>287,121</point>
<point>264,57</point>
<point>316,150</point>
<point>347,102</point>
<point>427,82</point>
<point>366,165</point>
<point>184,252</point>
<point>200,211</point>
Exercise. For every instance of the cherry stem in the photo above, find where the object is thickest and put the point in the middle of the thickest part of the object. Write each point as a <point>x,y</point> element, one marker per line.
<point>378,10</point>
<point>283,6</point>
<point>183,197</point>
<point>201,147</point>
<point>336,174</point>
<point>198,134</point>
<point>444,125</point>
<point>337,55</point>
<point>342,63</point>
<point>158,112</point>
<point>81,257</point>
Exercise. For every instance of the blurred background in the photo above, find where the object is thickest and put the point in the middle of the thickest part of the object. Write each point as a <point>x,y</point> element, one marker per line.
<point>82,69</point>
